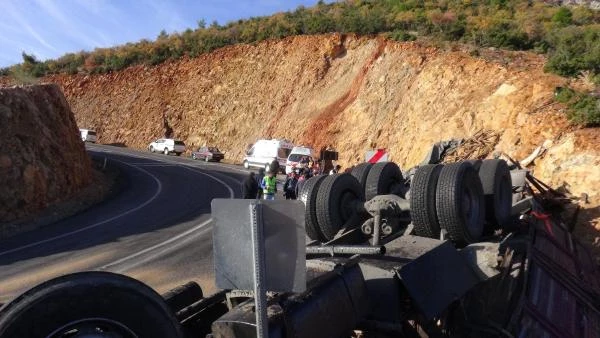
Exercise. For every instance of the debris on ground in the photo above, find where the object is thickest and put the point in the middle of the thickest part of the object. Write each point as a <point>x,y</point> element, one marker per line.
<point>478,146</point>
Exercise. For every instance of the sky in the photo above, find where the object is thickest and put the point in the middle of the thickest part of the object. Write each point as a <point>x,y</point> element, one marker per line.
<point>51,28</point>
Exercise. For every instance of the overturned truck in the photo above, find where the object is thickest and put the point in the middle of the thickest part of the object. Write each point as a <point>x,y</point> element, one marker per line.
<point>468,249</point>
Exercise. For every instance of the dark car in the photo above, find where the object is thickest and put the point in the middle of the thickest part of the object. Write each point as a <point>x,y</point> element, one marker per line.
<point>208,154</point>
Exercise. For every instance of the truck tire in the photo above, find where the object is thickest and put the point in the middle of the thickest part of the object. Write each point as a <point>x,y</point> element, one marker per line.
<point>497,189</point>
<point>459,203</point>
<point>422,201</point>
<point>89,302</point>
<point>361,172</point>
<point>382,178</point>
<point>308,195</point>
<point>336,200</point>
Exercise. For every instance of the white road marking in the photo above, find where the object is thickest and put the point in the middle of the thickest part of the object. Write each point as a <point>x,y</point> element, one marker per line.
<point>231,193</point>
<point>158,191</point>
<point>170,240</point>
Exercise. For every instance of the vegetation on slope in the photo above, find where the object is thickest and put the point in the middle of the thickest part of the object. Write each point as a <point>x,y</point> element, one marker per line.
<point>569,36</point>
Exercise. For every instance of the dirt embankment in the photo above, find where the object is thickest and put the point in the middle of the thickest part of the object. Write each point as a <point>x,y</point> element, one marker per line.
<point>353,93</point>
<point>42,158</point>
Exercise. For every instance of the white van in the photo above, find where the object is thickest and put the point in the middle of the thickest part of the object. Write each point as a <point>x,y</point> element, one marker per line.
<point>263,152</point>
<point>88,135</point>
<point>296,155</point>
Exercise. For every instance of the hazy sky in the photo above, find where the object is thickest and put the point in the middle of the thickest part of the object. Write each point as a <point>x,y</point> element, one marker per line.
<point>51,28</point>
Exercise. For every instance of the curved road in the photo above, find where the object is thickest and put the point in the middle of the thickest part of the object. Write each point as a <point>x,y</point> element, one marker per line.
<point>156,229</point>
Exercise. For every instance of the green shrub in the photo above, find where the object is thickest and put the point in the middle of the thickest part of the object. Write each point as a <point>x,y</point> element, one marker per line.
<point>502,35</point>
<point>563,17</point>
<point>583,109</point>
<point>574,49</point>
<point>401,35</point>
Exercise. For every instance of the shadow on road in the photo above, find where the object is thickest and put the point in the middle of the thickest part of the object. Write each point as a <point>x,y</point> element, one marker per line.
<point>153,196</point>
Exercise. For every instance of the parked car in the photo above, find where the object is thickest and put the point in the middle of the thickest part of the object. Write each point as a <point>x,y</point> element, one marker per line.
<point>208,154</point>
<point>167,146</point>
<point>263,152</point>
<point>296,155</point>
<point>87,135</point>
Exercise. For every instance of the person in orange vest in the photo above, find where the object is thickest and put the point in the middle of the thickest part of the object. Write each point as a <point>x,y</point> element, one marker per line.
<point>269,185</point>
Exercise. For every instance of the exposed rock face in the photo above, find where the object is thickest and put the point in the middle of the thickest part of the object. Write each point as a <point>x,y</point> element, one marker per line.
<point>42,158</point>
<point>349,92</point>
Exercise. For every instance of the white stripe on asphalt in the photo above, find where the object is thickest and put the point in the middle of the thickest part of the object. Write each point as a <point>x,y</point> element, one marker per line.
<point>168,241</point>
<point>158,191</point>
<point>156,246</point>
<point>231,193</point>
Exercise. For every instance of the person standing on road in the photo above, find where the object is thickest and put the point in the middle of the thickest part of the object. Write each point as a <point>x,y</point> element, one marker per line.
<point>335,170</point>
<point>269,185</point>
<point>304,176</point>
<point>259,179</point>
<point>250,187</point>
<point>274,166</point>
<point>289,187</point>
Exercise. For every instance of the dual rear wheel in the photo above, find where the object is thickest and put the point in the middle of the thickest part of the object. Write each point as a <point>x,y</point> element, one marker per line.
<point>467,199</point>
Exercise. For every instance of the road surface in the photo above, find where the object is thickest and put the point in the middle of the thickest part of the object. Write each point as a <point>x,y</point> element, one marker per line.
<point>156,229</point>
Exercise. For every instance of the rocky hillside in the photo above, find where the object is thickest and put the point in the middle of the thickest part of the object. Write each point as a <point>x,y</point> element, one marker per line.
<point>348,92</point>
<point>42,158</point>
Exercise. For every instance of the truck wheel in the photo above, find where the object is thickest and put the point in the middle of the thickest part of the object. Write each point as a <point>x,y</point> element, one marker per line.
<point>308,195</point>
<point>459,203</point>
<point>422,201</point>
<point>497,189</point>
<point>193,156</point>
<point>166,152</point>
<point>336,203</point>
<point>151,149</point>
<point>382,178</point>
<point>206,159</point>
<point>361,172</point>
<point>246,165</point>
<point>89,303</point>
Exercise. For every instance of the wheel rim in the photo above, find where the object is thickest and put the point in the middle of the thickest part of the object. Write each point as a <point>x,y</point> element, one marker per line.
<point>193,156</point>
<point>92,328</point>
<point>152,149</point>
<point>166,152</point>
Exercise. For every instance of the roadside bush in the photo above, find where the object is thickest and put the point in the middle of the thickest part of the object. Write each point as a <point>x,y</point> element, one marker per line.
<point>583,109</point>
<point>563,17</point>
<point>401,35</point>
<point>574,49</point>
<point>502,35</point>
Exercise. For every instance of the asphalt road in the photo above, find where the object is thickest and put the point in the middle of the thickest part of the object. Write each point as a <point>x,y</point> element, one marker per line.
<point>156,229</point>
